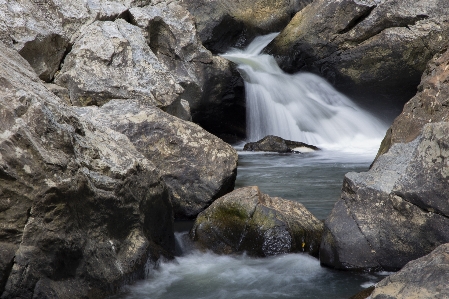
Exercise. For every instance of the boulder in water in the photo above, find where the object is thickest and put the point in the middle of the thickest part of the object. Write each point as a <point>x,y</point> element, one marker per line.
<point>277,144</point>
<point>397,211</point>
<point>247,220</point>
<point>424,278</point>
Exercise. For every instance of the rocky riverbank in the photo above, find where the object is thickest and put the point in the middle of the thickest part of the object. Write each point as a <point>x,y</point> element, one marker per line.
<point>99,150</point>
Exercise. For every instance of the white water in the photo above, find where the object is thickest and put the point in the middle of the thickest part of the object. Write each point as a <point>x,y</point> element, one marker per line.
<point>301,107</point>
<point>209,276</point>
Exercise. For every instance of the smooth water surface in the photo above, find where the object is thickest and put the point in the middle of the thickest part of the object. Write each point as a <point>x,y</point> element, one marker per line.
<point>313,179</point>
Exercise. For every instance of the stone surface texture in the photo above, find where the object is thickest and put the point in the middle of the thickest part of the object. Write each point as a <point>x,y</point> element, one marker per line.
<point>429,105</point>
<point>397,211</point>
<point>424,278</point>
<point>112,60</point>
<point>42,30</point>
<point>247,220</point>
<point>212,86</point>
<point>196,166</point>
<point>370,49</point>
<point>65,184</point>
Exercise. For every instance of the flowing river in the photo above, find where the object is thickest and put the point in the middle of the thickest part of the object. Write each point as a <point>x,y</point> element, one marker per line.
<point>300,107</point>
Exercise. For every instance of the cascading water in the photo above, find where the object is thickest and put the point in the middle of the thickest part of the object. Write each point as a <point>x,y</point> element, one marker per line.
<point>300,107</point>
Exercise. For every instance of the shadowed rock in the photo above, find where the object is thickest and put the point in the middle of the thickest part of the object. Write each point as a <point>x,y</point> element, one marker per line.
<point>272,143</point>
<point>247,220</point>
<point>371,50</point>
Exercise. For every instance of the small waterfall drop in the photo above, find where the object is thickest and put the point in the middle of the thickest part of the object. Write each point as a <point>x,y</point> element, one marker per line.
<point>301,107</point>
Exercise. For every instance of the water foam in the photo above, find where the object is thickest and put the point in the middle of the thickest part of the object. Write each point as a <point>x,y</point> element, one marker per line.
<point>302,106</point>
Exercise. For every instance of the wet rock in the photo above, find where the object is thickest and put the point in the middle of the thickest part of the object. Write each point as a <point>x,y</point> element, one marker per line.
<point>397,211</point>
<point>272,143</point>
<point>224,24</point>
<point>196,166</point>
<point>82,212</point>
<point>247,220</point>
<point>424,278</point>
<point>212,86</point>
<point>371,50</point>
<point>111,60</point>
<point>429,105</point>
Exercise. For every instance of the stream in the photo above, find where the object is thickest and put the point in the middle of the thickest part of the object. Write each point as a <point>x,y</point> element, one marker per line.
<point>301,107</point>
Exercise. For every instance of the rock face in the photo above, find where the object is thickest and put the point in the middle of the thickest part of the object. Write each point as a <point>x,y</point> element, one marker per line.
<point>376,49</point>
<point>41,30</point>
<point>424,278</point>
<point>65,184</point>
<point>272,143</point>
<point>196,166</point>
<point>111,60</point>
<point>212,86</point>
<point>396,212</point>
<point>429,104</point>
<point>222,24</point>
<point>247,220</point>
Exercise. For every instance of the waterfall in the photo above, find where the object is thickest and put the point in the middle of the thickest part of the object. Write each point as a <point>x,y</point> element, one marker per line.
<point>301,107</point>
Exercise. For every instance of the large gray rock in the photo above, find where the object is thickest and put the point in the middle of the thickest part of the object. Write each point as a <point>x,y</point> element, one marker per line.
<point>41,31</point>
<point>111,60</point>
<point>196,166</point>
<point>209,82</point>
<point>370,49</point>
<point>247,220</point>
<point>222,24</point>
<point>397,211</point>
<point>82,212</point>
<point>430,104</point>
<point>424,278</point>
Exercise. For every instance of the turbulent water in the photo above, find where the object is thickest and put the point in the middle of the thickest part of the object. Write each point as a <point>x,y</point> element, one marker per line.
<point>301,107</point>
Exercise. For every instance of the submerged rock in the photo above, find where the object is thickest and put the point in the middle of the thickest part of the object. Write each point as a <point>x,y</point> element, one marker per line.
<point>424,278</point>
<point>196,166</point>
<point>82,212</point>
<point>247,220</point>
<point>277,144</point>
<point>397,211</point>
<point>376,49</point>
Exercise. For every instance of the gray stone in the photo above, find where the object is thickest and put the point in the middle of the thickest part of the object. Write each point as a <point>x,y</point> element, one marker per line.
<point>430,104</point>
<point>196,166</point>
<point>247,220</point>
<point>397,211</point>
<point>111,60</point>
<point>82,212</point>
<point>211,83</point>
<point>371,50</point>
<point>424,278</point>
<point>42,30</point>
